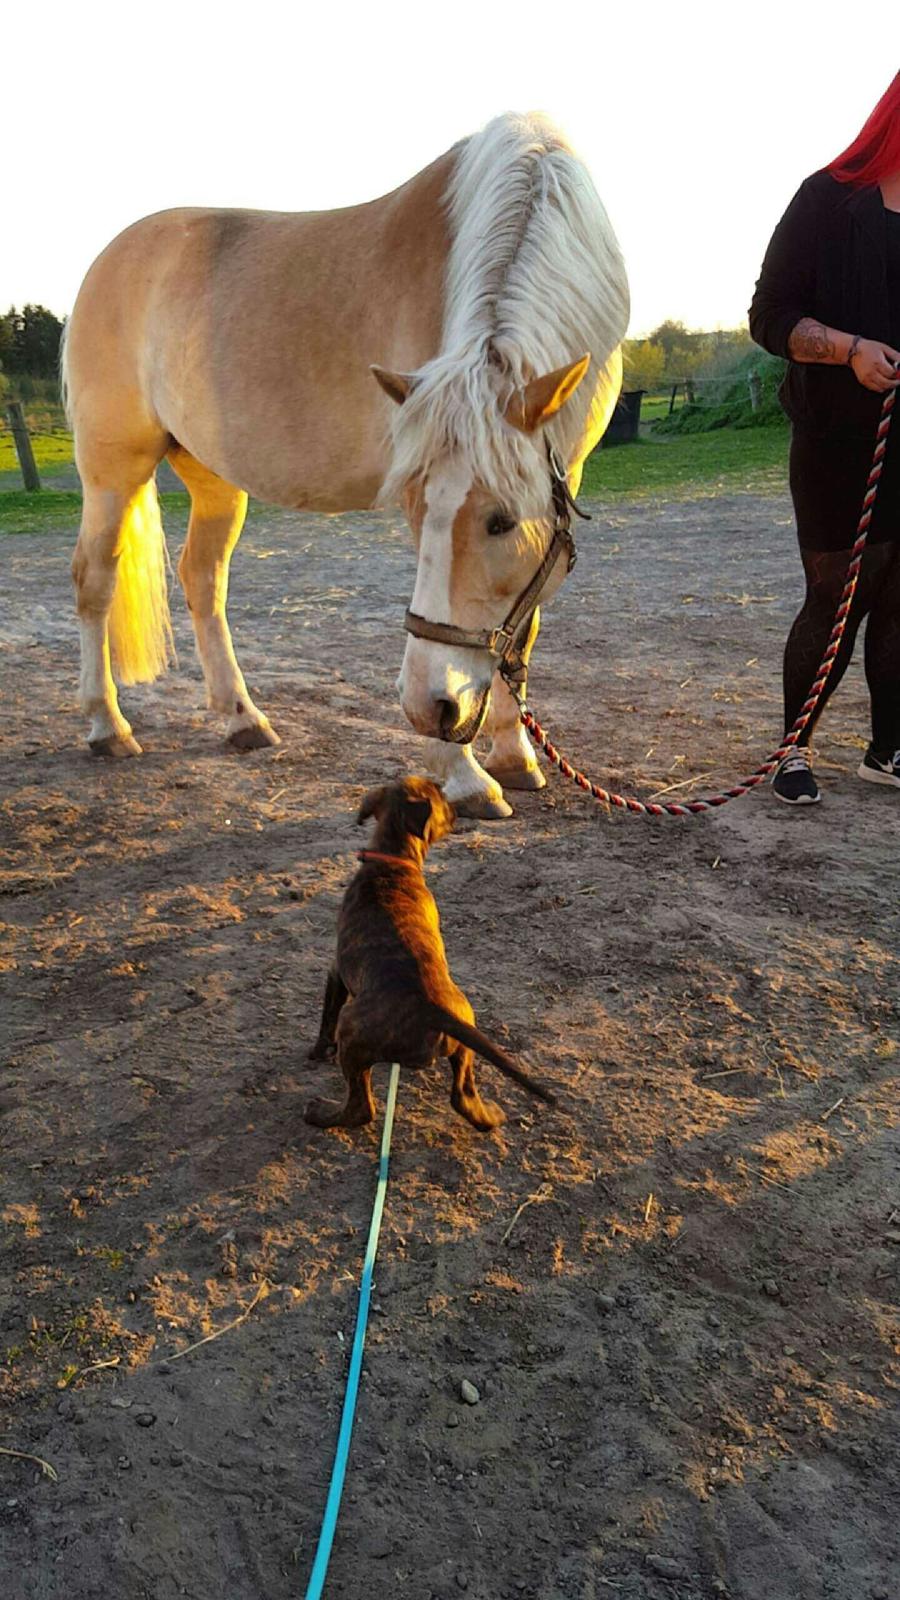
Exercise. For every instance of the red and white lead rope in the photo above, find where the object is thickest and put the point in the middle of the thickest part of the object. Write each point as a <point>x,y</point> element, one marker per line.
<point>691,808</point>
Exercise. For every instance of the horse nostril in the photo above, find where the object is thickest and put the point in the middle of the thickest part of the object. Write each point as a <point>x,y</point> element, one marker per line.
<point>448,715</point>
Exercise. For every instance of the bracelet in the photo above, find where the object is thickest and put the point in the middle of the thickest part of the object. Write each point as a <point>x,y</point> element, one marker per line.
<point>857,340</point>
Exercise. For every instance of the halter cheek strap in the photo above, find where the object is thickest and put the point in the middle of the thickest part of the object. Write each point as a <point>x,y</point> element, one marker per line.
<point>506,642</point>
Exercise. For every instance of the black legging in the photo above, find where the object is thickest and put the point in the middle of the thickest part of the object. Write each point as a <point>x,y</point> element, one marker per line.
<point>878,597</point>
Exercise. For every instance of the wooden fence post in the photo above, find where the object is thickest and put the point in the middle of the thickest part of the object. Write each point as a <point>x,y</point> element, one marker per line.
<point>22,442</point>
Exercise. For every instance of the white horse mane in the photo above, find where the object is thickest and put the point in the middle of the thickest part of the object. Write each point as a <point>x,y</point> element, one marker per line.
<point>534,281</point>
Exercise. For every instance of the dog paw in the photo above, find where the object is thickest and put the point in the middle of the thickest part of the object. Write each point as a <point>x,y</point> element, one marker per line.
<point>482,1114</point>
<point>329,1114</point>
<point>322,1050</point>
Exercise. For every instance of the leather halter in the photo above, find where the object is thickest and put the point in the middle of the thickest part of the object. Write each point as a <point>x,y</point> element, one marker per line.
<point>505,643</point>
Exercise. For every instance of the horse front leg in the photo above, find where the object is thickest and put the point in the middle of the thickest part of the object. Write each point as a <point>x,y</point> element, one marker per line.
<point>471,790</point>
<point>477,791</point>
<point>218,510</point>
<point>511,759</point>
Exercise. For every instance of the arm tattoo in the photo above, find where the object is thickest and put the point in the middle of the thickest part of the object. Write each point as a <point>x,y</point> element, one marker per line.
<point>810,341</point>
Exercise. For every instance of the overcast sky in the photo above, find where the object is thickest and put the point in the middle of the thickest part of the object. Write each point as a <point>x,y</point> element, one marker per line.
<point>697,121</point>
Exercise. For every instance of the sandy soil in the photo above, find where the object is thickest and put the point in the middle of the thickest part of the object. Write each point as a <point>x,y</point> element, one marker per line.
<point>687,1348</point>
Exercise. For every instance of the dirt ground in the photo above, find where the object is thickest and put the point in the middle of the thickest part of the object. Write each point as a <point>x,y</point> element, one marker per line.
<point>687,1348</point>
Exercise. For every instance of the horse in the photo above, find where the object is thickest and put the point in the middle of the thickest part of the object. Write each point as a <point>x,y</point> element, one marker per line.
<point>242,345</point>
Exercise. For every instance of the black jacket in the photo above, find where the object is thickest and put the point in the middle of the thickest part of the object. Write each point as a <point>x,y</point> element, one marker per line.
<point>826,259</point>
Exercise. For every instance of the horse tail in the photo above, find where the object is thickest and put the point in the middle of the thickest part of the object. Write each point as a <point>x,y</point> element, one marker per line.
<point>140,627</point>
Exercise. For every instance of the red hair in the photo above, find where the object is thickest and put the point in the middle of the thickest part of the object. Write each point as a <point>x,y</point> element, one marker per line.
<point>875,152</point>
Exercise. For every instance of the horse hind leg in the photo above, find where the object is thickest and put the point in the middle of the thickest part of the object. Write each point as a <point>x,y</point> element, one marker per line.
<point>217,516</point>
<point>119,573</point>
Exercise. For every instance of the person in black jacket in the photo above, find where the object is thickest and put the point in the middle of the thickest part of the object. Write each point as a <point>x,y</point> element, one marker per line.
<point>828,299</point>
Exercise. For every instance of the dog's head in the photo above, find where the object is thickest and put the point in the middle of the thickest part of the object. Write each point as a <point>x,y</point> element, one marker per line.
<point>414,806</point>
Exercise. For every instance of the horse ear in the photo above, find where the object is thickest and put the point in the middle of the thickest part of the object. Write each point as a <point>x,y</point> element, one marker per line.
<point>397,385</point>
<point>531,407</point>
<point>371,804</point>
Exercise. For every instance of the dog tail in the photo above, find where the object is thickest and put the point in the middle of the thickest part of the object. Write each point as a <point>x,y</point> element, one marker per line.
<point>465,1033</point>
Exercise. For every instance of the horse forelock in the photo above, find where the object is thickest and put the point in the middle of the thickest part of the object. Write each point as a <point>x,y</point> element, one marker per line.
<point>534,279</point>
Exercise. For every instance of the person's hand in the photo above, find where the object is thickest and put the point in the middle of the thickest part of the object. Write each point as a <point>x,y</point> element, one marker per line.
<point>875,365</point>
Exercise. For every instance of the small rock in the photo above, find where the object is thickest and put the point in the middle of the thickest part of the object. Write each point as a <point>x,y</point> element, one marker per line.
<point>176,1459</point>
<point>462,1581</point>
<point>469,1393</point>
<point>121,1402</point>
<point>770,1287</point>
<point>665,1567</point>
<point>123,1464</point>
<point>452,1419</point>
<point>790,1349</point>
<point>606,1302</point>
<point>145,1419</point>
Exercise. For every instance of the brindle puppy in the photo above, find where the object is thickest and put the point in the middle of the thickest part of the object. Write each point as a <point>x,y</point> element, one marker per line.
<point>390,996</point>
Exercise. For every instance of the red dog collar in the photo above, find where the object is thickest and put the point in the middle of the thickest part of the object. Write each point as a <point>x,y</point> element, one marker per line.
<point>376,855</point>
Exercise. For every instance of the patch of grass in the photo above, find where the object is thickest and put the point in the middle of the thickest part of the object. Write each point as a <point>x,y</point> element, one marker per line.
<point>44,511</point>
<point>52,452</point>
<point>752,460</point>
<point>115,1259</point>
<point>724,401</point>
<point>49,510</point>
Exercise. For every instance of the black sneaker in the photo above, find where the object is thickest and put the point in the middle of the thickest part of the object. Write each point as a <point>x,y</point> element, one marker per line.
<point>793,780</point>
<point>880,768</point>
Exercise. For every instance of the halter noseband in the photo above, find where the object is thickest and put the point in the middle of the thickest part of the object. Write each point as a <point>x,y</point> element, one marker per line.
<point>506,642</point>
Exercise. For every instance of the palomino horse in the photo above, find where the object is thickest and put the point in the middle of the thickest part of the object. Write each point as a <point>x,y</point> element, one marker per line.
<point>238,344</point>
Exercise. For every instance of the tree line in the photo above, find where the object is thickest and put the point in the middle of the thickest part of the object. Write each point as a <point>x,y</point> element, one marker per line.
<point>29,347</point>
<point>672,354</point>
<point>29,342</point>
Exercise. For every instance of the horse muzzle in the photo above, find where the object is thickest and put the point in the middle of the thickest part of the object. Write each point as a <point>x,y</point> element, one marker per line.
<point>445,694</point>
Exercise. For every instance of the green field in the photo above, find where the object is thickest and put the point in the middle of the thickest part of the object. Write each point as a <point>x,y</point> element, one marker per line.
<point>728,461</point>
<point>752,460</point>
<point>52,453</point>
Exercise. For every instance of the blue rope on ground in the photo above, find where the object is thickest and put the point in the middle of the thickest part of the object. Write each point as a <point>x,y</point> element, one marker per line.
<point>338,1471</point>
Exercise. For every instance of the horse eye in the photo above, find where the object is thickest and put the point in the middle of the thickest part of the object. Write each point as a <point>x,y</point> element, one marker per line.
<point>499,523</point>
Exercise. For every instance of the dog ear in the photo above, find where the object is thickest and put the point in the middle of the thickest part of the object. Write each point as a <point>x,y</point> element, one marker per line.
<point>371,804</point>
<point>417,816</point>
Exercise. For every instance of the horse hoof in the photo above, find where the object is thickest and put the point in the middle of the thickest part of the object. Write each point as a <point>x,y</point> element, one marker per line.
<point>115,746</point>
<point>258,736</point>
<point>482,807</point>
<point>517,777</point>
